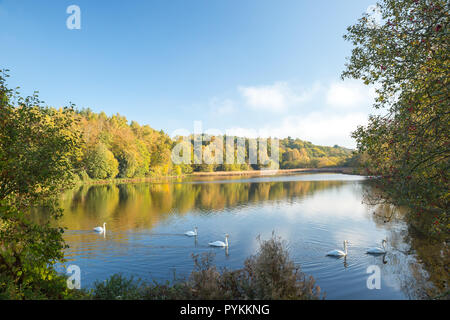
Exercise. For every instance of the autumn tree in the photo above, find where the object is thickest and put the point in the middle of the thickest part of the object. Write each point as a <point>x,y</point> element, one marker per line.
<point>39,150</point>
<point>405,55</point>
<point>100,163</point>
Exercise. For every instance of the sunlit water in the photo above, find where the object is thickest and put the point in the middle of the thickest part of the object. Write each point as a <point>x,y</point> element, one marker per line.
<point>314,213</point>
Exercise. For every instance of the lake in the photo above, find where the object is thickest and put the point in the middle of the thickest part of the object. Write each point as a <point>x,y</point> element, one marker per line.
<point>313,213</point>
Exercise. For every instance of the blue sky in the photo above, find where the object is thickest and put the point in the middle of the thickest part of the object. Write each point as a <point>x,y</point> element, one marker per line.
<point>249,67</point>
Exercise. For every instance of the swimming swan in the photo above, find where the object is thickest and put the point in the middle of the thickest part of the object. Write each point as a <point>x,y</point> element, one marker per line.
<point>100,229</point>
<point>220,243</point>
<point>339,253</point>
<point>378,250</point>
<point>192,233</point>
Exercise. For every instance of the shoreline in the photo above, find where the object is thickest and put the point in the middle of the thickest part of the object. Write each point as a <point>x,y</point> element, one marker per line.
<point>345,170</point>
<point>279,172</point>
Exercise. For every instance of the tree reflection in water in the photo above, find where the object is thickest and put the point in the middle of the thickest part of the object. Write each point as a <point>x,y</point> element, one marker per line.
<point>419,261</point>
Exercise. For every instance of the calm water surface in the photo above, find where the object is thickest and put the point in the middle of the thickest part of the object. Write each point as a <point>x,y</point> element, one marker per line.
<point>314,213</point>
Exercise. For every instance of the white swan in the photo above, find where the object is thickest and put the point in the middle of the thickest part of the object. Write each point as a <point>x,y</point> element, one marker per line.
<point>192,233</point>
<point>100,229</point>
<point>378,250</point>
<point>220,243</point>
<point>339,253</point>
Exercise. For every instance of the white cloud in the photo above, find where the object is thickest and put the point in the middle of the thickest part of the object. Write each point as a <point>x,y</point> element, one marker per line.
<point>320,128</point>
<point>276,97</point>
<point>349,94</point>
<point>331,113</point>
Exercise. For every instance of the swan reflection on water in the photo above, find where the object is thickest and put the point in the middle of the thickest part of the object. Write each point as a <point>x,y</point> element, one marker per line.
<point>344,261</point>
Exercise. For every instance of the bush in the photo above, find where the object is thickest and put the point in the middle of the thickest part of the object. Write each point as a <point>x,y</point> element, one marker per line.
<point>270,274</point>
<point>54,287</point>
<point>117,287</point>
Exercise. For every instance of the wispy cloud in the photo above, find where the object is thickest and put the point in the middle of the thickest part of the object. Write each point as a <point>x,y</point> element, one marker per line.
<point>349,94</point>
<point>318,127</point>
<point>276,97</point>
<point>324,114</point>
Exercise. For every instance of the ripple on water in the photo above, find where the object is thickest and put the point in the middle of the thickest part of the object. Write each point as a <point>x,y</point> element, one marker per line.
<point>313,213</point>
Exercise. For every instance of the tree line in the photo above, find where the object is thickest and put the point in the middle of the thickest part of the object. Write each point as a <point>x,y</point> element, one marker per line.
<point>113,147</point>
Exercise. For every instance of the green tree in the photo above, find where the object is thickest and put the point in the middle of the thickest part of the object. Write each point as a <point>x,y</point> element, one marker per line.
<point>406,56</point>
<point>100,163</point>
<point>39,149</point>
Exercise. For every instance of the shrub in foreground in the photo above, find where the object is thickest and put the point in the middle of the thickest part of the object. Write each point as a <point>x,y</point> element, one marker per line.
<point>269,274</point>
